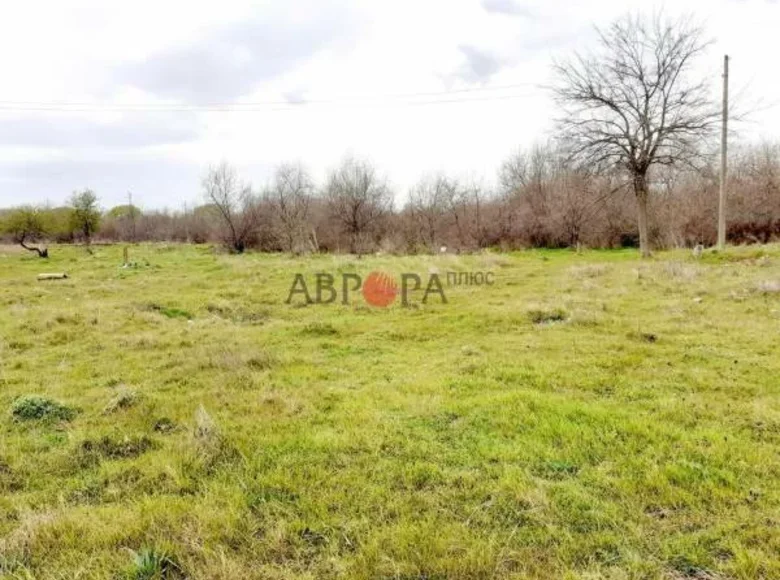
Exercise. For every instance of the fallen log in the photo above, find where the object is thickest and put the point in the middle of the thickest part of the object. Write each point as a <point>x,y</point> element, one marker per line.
<point>53,276</point>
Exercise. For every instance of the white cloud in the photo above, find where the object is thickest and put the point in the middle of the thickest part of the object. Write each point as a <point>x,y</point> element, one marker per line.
<point>507,7</point>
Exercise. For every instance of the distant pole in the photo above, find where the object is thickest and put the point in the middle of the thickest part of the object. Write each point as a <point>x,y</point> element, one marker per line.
<point>186,224</point>
<point>723,157</point>
<point>131,209</point>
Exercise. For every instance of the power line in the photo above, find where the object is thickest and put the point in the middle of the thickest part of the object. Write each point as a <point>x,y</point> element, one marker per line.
<point>399,99</point>
<point>247,109</point>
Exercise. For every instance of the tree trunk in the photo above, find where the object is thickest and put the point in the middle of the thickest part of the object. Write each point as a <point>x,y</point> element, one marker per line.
<point>42,252</point>
<point>353,243</point>
<point>640,189</point>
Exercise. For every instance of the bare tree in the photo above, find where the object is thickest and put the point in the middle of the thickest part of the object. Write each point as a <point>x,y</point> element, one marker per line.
<point>290,197</point>
<point>632,105</point>
<point>527,178</point>
<point>456,202</point>
<point>234,203</point>
<point>428,202</point>
<point>358,199</point>
<point>477,197</point>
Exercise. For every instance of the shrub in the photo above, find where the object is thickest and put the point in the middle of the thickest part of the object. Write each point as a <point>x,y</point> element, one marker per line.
<point>35,408</point>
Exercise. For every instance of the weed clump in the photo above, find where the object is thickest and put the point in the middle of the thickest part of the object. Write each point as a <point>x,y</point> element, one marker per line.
<point>233,360</point>
<point>35,408</point>
<point>681,272</point>
<point>648,337</point>
<point>168,311</point>
<point>545,316</point>
<point>9,481</point>
<point>262,361</point>
<point>588,271</point>
<point>153,564</point>
<point>238,315</point>
<point>210,447</point>
<point>112,448</point>
<point>164,425</point>
<point>556,470</point>
<point>122,401</point>
<point>320,329</point>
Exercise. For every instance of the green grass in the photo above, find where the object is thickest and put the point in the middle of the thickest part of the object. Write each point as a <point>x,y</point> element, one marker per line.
<point>586,416</point>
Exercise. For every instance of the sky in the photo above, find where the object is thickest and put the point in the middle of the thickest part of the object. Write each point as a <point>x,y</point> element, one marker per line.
<point>144,96</point>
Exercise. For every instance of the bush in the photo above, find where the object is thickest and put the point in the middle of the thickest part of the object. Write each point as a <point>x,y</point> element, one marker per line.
<point>35,408</point>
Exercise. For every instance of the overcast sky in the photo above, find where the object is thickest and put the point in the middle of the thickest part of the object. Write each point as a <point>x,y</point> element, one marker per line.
<point>415,85</point>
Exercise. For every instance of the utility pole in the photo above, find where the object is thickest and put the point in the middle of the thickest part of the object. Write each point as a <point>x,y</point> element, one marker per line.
<point>131,210</point>
<point>186,224</point>
<point>723,157</point>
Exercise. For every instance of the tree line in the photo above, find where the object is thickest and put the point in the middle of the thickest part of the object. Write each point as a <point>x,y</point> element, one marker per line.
<point>540,199</point>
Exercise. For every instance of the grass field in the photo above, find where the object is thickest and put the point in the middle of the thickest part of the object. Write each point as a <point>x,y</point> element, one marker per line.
<point>586,416</point>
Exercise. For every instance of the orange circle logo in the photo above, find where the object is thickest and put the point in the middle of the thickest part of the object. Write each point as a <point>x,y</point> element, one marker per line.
<point>379,289</point>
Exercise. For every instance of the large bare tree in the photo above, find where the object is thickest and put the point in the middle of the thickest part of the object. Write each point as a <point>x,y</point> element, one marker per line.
<point>290,196</point>
<point>428,203</point>
<point>358,199</point>
<point>234,203</point>
<point>633,104</point>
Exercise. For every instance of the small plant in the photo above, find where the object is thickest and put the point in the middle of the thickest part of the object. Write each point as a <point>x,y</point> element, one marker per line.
<point>123,400</point>
<point>35,408</point>
<point>205,427</point>
<point>153,564</point>
<point>556,470</point>
<point>210,447</point>
<point>320,329</point>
